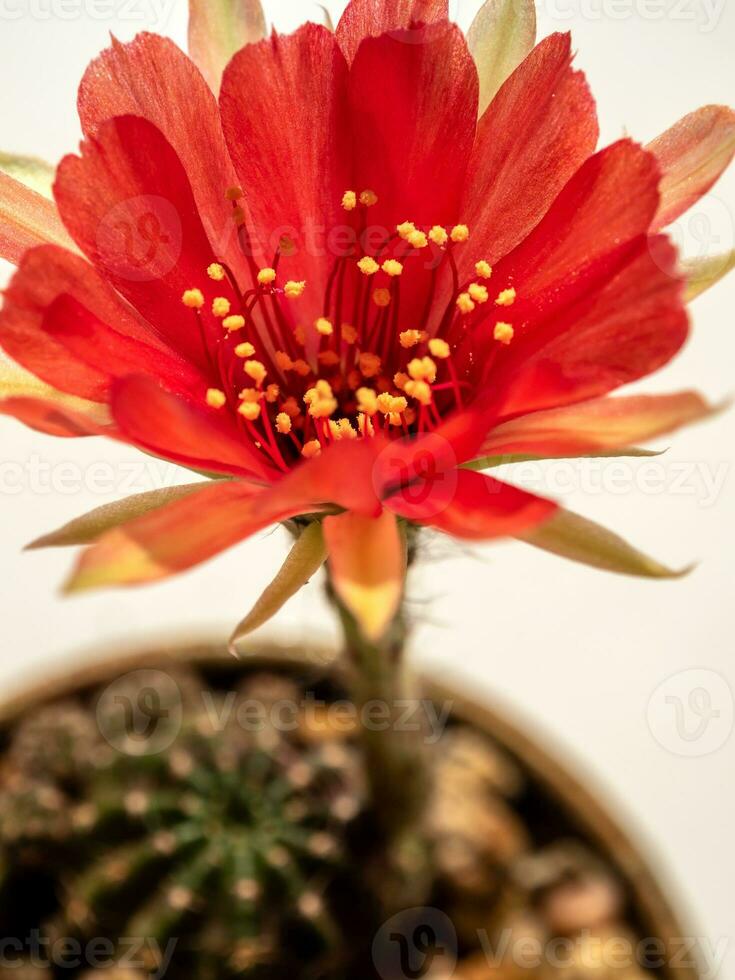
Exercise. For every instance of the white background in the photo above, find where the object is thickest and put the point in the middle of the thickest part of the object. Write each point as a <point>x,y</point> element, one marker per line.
<point>575,652</point>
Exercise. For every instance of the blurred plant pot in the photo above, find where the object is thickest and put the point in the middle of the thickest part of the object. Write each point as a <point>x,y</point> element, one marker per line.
<point>556,803</point>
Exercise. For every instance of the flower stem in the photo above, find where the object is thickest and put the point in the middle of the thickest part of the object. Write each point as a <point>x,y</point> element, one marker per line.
<point>397,767</point>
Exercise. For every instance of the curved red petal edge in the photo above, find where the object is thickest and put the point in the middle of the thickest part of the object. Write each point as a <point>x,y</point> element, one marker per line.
<point>368,18</point>
<point>535,134</point>
<point>413,106</point>
<point>54,419</point>
<point>471,505</point>
<point>151,77</point>
<point>286,119</point>
<point>189,433</point>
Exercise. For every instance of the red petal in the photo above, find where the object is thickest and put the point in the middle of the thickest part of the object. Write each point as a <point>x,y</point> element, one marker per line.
<point>164,424</point>
<point>367,561</point>
<point>114,354</point>
<point>176,537</point>
<point>285,117</point>
<point>413,98</point>
<point>193,529</point>
<point>471,505</point>
<point>538,130</point>
<point>27,219</point>
<point>56,419</point>
<point>692,156</point>
<point>605,423</point>
<point>609,202</point>
<point>402,462</point>
<point>151,77</point>
<point>368,18</point>
<point>625,330</point>
<point>46,273</point>
<point>129,206</point>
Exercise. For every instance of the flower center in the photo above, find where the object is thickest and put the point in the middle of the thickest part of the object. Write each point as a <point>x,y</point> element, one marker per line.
<point>359,368</point>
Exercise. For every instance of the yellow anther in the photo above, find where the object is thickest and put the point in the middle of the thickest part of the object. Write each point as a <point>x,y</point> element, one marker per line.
<point>216,398</point>
<point>328,358</point>
<point>193,298</point>
<point>439,348</point>
<point>367,265</point>
<point>506,297</point>
<point>365,425</point>
<point>369,364</point>
<point>311,448</point>
<point>460,233</point>
<point>368,198</point>
<point>418,239</point>
<point>419,390</point>
<point>256,371</point>
<point>483,269</point>
<point>321,400</point>
<point>245,349</point>
<point>367,401</point>
<point>266,276</point>
<point>324,326</point>
<point>342,429</point>
<point>233,193</point>
<point>405,229</point>
<point>271,393</point>
<point>438,235</point>
<point>392,405</point>
<point>235,322</point>
<point>250,410</point>
<point>283,361</point>
<point>238,216</point>
<point>478,292</point>
<point>422,369</point>
<point>464,303</point>
<point>293,288</point>
<point>503,332</point>
<point>220,306</point>
<point>283,423</point>
<point>349,200</point>
<point>381,297</point>
<point>216,272</point>
<point>349,334</point>
<point>250,395</point>
<point>400,380</point>
<point>392,267</point>
<point>300,334</point>
<point>409,338</point>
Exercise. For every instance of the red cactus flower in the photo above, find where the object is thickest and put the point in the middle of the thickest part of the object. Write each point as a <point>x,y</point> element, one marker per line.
<point>342,290</point>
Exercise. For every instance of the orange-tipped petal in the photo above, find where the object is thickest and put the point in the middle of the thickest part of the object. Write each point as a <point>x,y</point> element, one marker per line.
<point>367,562</point>
<point>27,219</point>
<point>43,408</point>
<point>594,426</point>
<point>31,171</point>
<point>692,155</point>
<point>219,28</point>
